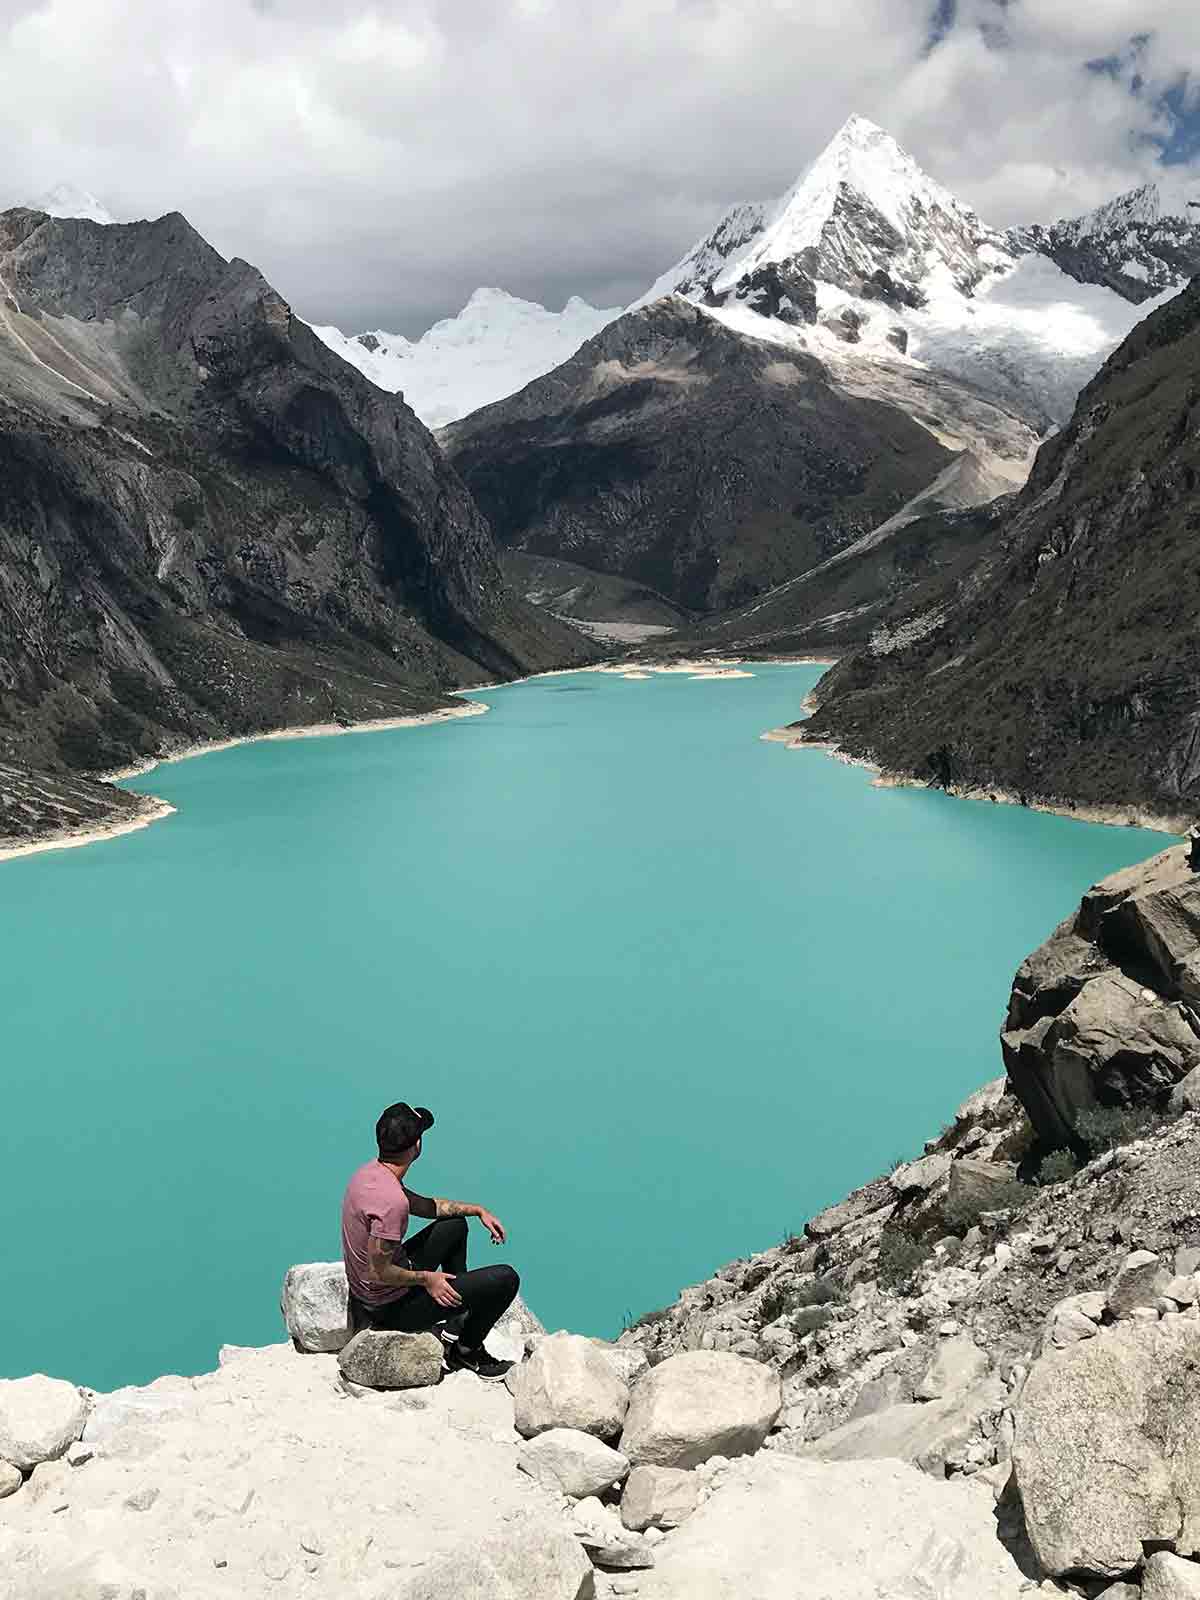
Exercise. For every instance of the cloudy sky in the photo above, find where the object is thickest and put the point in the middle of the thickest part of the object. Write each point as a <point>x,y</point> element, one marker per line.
<point>379,161</point>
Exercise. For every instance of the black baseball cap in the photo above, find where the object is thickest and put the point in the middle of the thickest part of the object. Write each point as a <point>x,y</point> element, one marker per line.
<point>400,1126</point>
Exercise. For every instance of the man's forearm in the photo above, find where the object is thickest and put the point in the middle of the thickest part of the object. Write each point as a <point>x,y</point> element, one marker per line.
<point>394,1277</point>
<point>457,1208</point>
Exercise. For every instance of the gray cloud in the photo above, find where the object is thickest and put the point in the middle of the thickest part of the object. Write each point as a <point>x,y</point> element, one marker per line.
<point>380,161</point>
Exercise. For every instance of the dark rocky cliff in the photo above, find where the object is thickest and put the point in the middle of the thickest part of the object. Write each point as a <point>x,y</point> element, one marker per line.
<point>1064,667</point>
<point>675,452</point>
<point>210,524</point>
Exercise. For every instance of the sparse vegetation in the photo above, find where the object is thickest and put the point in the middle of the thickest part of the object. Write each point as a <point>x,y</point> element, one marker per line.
<point>964,1212</point>
<point>807,1318</point>
<point>1057,1167</point>
<point>900,1255</point>
<point>1105,1127</point>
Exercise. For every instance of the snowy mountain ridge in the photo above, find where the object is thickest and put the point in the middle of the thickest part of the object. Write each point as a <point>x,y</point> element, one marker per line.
<point>494,346</point>
<point>65,200</point>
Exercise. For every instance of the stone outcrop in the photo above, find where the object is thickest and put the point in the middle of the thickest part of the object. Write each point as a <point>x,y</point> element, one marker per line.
<point>39,1418</point>
<point>377,1359</point>
<point>1107,1012</point>
<point>313,1304</point>
<point>1107,1450</point>
<point>569,1383</point>
<point>576,1464</point>
<point>528,1560</point>
<point>779,1527</point>
<point>659,1497</point>
<point>1168,1578</point>
<point>699,1404</point>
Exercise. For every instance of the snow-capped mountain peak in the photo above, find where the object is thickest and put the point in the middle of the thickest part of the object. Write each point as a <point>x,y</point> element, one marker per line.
<point>865,207</point>
<point>495,345</point>
<point>65,200</point>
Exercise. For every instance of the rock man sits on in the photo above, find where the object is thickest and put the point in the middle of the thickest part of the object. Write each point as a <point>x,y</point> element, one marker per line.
<point>417,1282</point>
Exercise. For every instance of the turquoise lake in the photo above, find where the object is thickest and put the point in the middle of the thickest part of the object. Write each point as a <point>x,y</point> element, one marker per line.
<point>667,988</point>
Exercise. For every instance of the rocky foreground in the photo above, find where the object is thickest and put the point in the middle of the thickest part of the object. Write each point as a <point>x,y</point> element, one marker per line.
<point>976,1377</point>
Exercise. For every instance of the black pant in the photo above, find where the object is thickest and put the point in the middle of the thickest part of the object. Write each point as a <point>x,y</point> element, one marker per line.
<point>486,1293</point>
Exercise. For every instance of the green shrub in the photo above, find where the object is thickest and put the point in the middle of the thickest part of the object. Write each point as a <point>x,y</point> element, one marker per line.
<point>819,1292</point>
<point>1105,1127</point>
<point>964,1212</point>
<point>1057,1167</point>
<point>899,1257</point>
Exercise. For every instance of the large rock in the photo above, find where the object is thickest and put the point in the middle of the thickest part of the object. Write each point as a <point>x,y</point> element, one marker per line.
<point>532,1559</point>
<point>568,1383</point>
<point>10,1479</point>
<point>40,1418</point>
<point>510,1336</point>
<point>379,1359</point>
<point>698,1404</point>
<point>778,1528</point>
<point>572,1463</point>
<point>659,1497</point>
<point>1168,1578</point>
<point>314,1305</point>
<point>1104,1012</point>
<point>976,1186</point>
<point>1185,1096</point>
<point>1141,1280</point>
<point>165,1397</point>
<point>1107,1449</point>
<point>915,1177</point>
<point>957,1364</point>
<point>933,1435</point>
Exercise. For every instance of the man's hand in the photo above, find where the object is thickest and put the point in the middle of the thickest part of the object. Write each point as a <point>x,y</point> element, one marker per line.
<point>493,1225</point>
<point>440,1289</point>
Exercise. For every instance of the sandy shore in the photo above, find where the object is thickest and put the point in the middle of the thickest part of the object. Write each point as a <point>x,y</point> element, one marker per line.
<point>1130,816</point>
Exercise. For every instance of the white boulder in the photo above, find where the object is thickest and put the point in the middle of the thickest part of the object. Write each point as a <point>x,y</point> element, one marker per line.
<point>165,1397</point>
<point>568,1383</point>
<point>379,1359</point>
<point>40,1418</point>
<point>957,1364</point>
<point>314,1303</point>
<point>697,1404</point>
<point>571,1462</point>
<point>10,1479</point>
<point>531,1559</point>
<point>659,1497</point>
<point>1107,1452</point>
<point>1166,1577</point>
<point>777,1528</point>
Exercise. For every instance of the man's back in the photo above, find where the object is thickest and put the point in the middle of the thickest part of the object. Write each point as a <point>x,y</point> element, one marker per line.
<point>374,1205</point>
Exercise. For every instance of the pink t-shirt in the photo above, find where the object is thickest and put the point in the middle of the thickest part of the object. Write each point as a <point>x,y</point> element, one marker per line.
<point>374,1206</point>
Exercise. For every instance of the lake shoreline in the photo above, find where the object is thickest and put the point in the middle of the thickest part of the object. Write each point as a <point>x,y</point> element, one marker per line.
<point>155,809</point>
<point>1106,816</point>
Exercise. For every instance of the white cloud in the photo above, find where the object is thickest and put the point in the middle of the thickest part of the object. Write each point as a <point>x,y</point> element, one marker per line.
<point>381,160</point>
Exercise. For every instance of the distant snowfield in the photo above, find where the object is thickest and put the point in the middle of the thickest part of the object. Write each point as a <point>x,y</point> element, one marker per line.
<point>493,347</point>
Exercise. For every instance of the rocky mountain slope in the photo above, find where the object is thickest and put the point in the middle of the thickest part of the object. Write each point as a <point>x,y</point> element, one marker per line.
<point>680,454</point>
<point>1062,668</point>
<point>211,525</point>
<point>905,297</point>
<point>972,1379</point>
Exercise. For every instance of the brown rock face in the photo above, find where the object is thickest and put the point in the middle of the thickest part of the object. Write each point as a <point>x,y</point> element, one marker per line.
<point>1107,1011</point>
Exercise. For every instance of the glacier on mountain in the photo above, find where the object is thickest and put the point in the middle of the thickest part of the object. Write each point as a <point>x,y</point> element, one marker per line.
<point>65,200</point>
<point>871,264</point>
<point>494,346</point>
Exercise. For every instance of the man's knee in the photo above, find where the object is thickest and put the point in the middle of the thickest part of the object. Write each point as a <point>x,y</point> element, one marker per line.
<point>507,1278</point>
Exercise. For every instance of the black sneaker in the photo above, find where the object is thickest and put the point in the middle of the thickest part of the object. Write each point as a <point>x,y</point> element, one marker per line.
<point>478,1361</point>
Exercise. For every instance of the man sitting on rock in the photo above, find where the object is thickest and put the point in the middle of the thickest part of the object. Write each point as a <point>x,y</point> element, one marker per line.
<point>420,1282</point>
